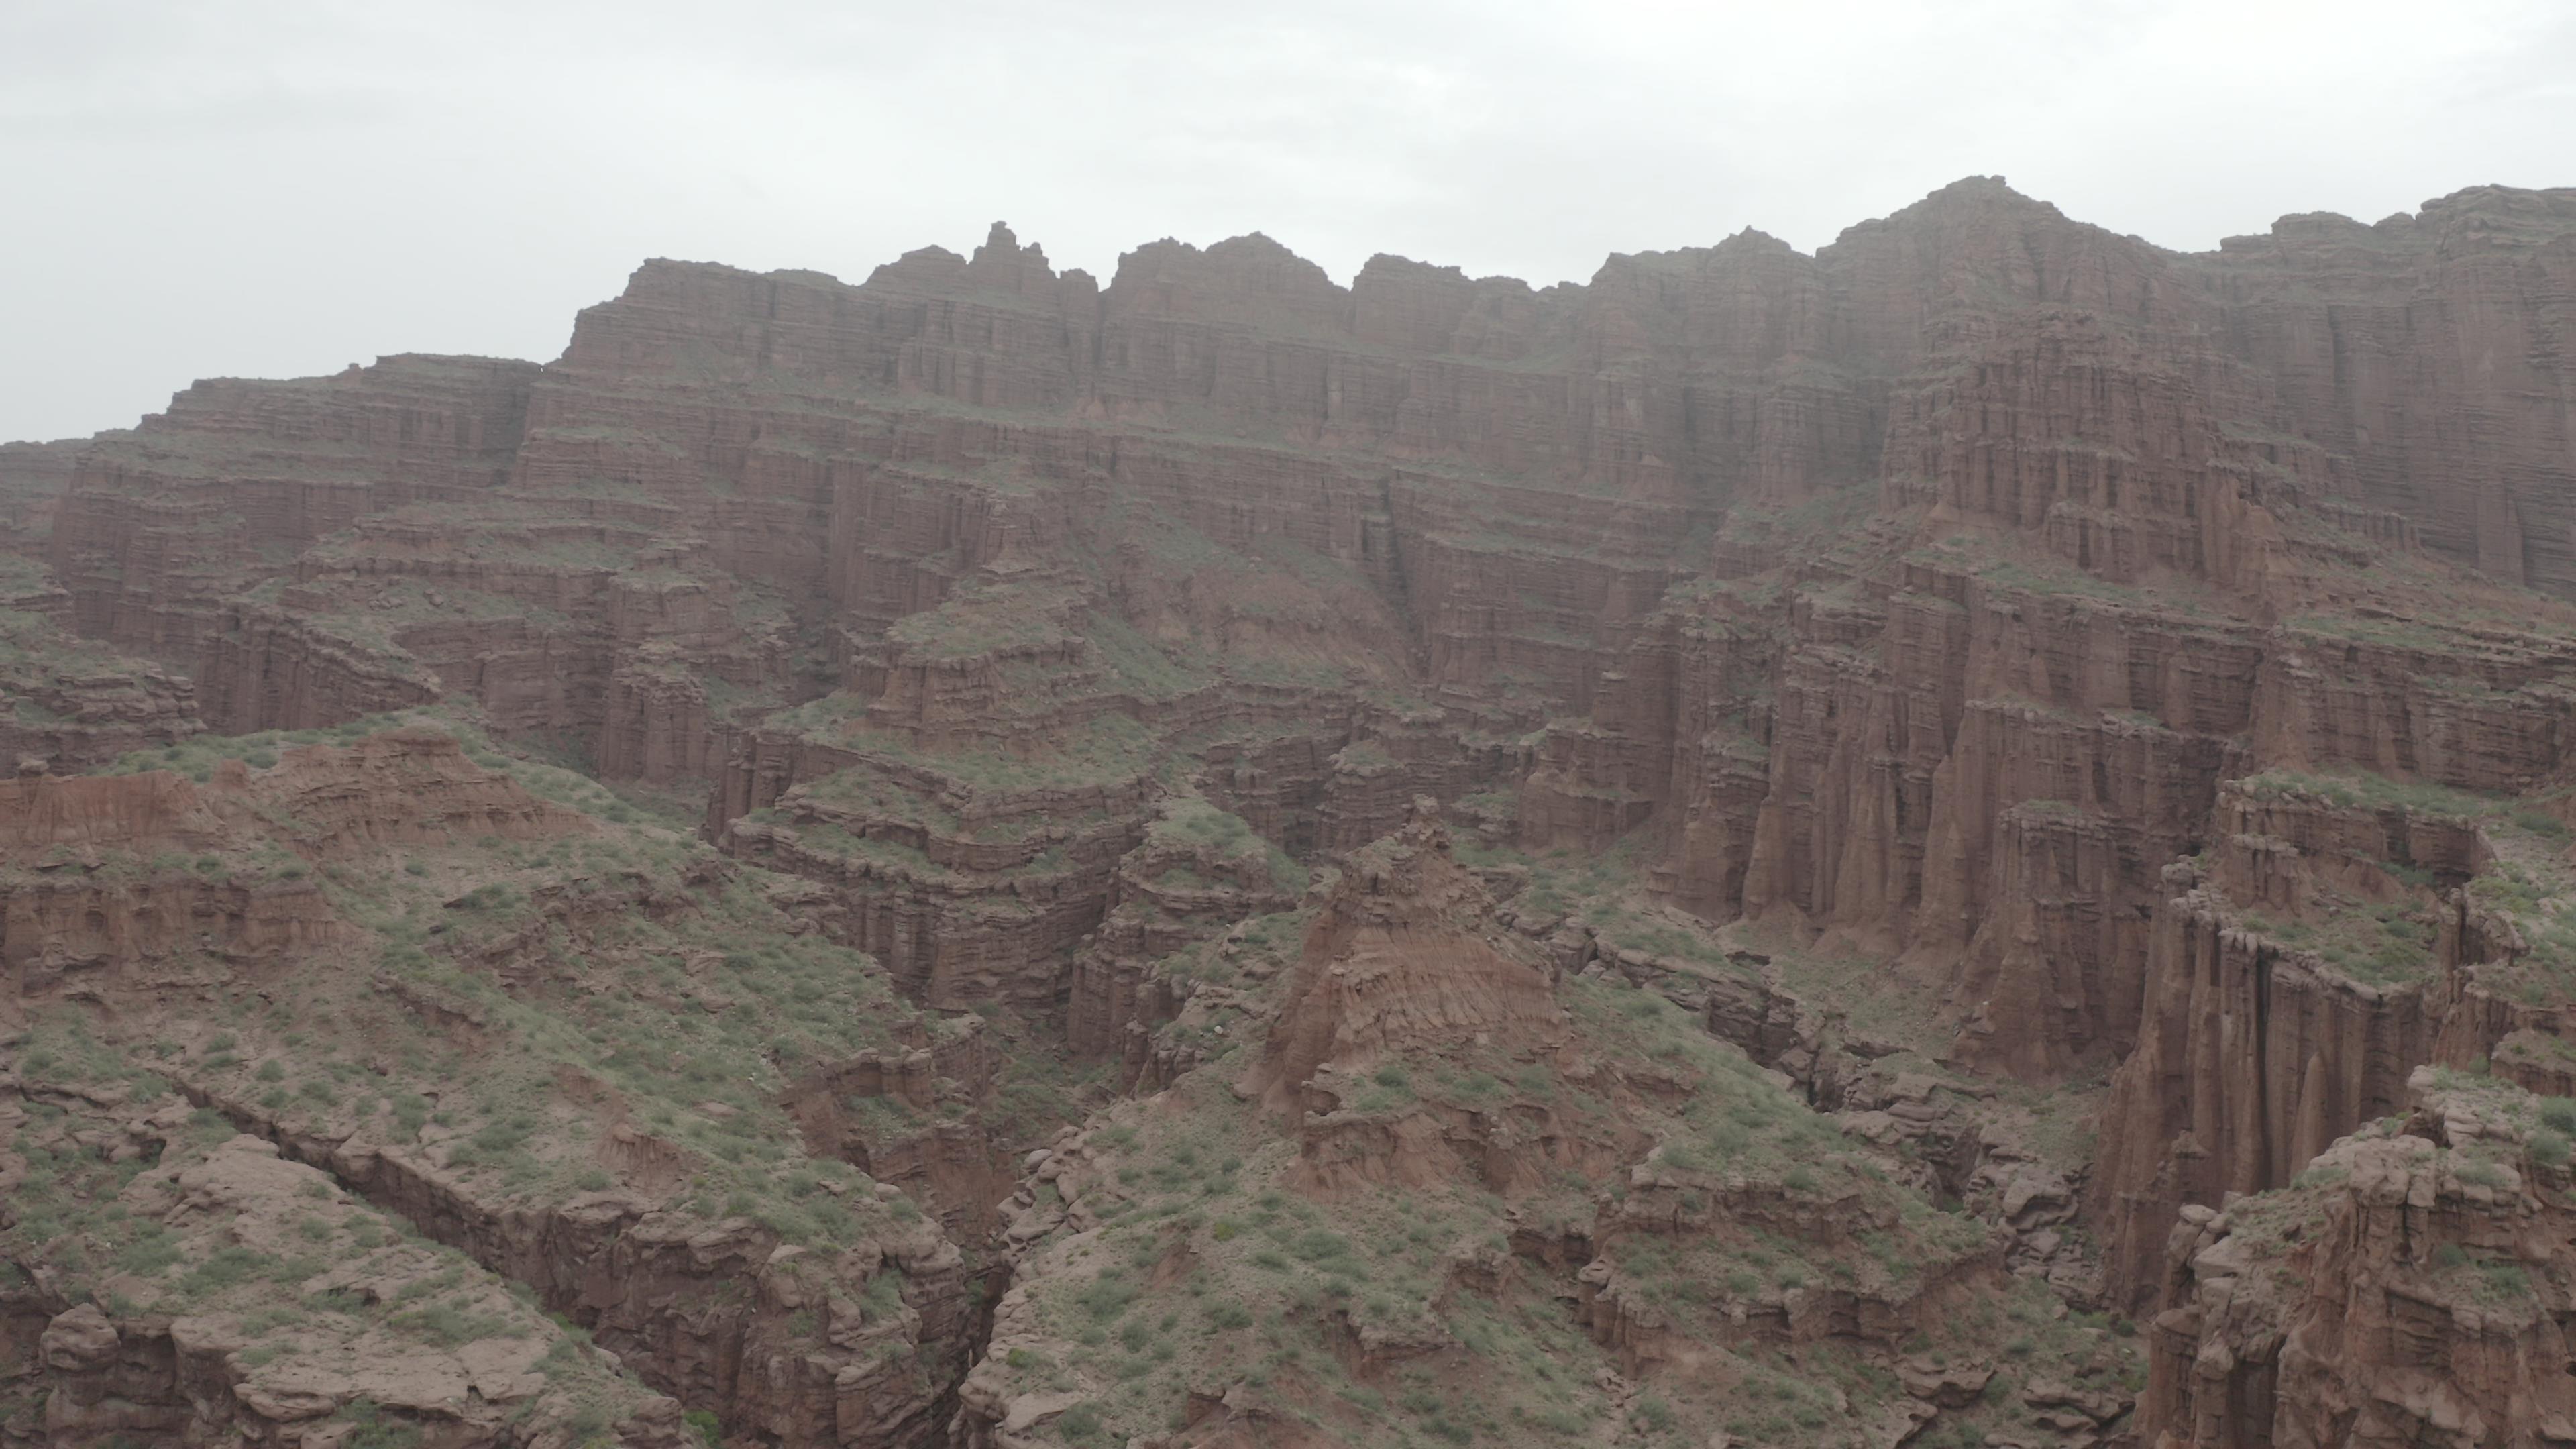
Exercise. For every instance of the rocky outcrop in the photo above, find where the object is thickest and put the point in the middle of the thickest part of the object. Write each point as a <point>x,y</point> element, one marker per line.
<point>2406,346</point>
<point>2331,945</point>
<point>967,895</point>
<point>916,1117</point>
<point>162,522</point>
<point>844,1319</point>
<point>1942,599</point>
<point>113,883</point>
<point>403,786</point>
<point>33,479</point>
<point>1401,959</point>
<point>2258,1048</point>
<point>2411,1288</point>
<point>1415,1048</point>
<point>1197,872</point>
<point>72,705</point>
<point>787,1342</point>
<point>108,1188</point>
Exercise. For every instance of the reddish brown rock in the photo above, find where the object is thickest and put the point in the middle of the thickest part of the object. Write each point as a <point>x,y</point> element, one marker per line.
<point>2408,348</point>
<point>2410,1288</point>
<point>73,705</point>
<point>33,479</point>
<point>1919,599</point>
<point>1399,959</point>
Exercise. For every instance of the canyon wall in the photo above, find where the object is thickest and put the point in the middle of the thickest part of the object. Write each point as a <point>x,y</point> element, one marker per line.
<point>2410,1288</point>
<point>2160,667</point>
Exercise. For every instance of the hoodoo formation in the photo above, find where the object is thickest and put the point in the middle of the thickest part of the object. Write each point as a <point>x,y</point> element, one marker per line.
<point>1961,840</point>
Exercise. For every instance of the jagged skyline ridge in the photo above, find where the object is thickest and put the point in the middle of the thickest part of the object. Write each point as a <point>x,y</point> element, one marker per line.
<point>476,195</point>
<point>2025,646</point>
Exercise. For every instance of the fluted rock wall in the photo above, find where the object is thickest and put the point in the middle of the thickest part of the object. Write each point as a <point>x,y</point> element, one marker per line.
<point>2417,350</point>
<point>1921,598</point>
<point>2411,1289</point>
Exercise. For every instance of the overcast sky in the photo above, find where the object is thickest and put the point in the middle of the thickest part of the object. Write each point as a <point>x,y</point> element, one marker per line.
<point>280,187</point>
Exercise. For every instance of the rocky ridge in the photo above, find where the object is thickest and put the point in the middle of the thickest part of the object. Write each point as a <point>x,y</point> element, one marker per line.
<point>480,1085</point>
<point>2087,721</point>
<point>2410,1287</point>
<point>1383,1212</point>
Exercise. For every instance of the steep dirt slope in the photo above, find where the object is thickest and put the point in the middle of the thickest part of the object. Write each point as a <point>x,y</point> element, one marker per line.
<point>1422,1184</point>
<point>569,1048</point>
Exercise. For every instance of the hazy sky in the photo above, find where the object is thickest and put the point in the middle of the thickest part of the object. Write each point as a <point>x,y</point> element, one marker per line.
<point>280,187</point>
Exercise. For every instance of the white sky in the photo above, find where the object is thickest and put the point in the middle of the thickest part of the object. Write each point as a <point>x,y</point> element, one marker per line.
<point>280,187</point>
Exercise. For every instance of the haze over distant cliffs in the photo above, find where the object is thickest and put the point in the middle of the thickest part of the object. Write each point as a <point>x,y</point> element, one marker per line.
<point>1961,839</point>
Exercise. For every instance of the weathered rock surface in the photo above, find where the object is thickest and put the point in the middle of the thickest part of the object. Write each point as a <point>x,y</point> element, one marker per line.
<point>1591,1150</point>
<point>33,479</point>
<point>2411,1288</point>
<point>381,1358</point>
<point>2152,668</point>
<point>1402,959</point>
<point>134,907</point>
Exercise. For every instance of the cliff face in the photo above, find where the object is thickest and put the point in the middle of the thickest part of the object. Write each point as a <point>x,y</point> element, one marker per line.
<point>1519,474</point>
<point>439,926</point>
<point>1988,658</point>
<point>2411,1288</point>
<point>1404,1151</point>
<point>76,706</point>
<point>2419,350</point>
<point>201,1371</point>
<point>208,498</point>
<point>33,479</point>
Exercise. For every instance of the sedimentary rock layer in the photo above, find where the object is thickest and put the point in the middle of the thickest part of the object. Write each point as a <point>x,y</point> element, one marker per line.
<point>2157,668</point>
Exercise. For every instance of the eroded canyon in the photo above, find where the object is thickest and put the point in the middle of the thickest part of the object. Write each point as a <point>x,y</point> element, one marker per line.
<point>1964,839</point>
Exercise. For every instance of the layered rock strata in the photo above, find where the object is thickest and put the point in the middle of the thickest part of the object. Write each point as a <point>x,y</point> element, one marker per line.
<point>480,1084</point>
<point>2150,666</point>
<point>2410,1288</point>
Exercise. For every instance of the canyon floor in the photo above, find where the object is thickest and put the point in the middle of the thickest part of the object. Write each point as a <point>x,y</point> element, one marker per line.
<point>1964,840</point>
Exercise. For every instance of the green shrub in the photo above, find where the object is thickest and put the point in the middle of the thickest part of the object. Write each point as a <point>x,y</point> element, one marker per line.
<point>1230,1315</point>
<point>373,1430</point>
<point>147,1256</point>
<point>2539,823</point>
<point>1106,1297</point>
<point>448,1326</point>
<point>2480,1174</point>
<point>1079,1424</point>
<point>224,1268</point>
<point>2503,1280</point>
<point>1318,1246</point>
